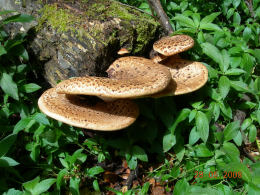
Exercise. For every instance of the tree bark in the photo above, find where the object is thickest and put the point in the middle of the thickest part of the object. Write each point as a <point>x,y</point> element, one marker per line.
<point>78,38</point>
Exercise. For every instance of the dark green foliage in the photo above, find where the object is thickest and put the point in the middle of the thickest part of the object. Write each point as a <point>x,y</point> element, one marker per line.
<point>197,138</point>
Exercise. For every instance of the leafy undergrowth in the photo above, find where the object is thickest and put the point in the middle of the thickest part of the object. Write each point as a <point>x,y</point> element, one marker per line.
<point>206,142</point>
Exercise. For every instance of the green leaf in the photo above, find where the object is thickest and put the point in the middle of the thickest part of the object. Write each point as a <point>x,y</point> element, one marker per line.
<point>239,86</point>
<point>230,12</point>
<point>252,133</point>
<point>139,153</point>
<point>203,151</point>
<point>169,140</point>
<point>226,59</point>
<point>231,130</point>
<point>209,18</point>
<point>247,33</point>
<point>224,86</point>
<point>181,187</point>
<point>30,185</point>
<point>214,53</point>
<point>94,171</point>
<point>60,177</point>
<point>19,18</point>
<point>12,191</point>
<point>183,114</point>
<point>185,21</point>
<point>132,163</point>
<point>246,123</point>
<point>194,136</point>
<point>231,151</point>
<point>96,186</point>
<point>43,186</point>
<point>238,139</point>
<point>239,167</point>
<point>258,116</point>
<point>210,26</point>
<point>7,162</point>
<point>74,185</point>
<point>41,118</point>
<point>235,71</point>
<point>9,86</point>
<point>236,18</point>
<point>226,109</point>
<point>4,12</point>
<point>22,124</point>
<point>202,125</point>
<point>2,50</point>
<point>236,3</point>
<point>145,188</point>
<point>31,87</point>
<point>6,143</point>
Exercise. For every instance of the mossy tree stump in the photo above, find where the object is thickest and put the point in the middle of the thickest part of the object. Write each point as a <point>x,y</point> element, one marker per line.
<point>77,38</point>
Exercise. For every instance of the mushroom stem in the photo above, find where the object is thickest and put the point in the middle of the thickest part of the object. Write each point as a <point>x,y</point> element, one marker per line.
<point>163,18</point>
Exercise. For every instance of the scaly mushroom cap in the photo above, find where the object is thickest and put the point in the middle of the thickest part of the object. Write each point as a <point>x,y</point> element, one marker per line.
<point>187,76</point>
<point>168,46</point>
<point>130,77</point>
<point>78,112</point>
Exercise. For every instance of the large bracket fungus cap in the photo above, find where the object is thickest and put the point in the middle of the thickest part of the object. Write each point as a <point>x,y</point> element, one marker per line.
<point>169,46</point>
<point>187,76</point>
<point>129,77</point>
<point>78,112</point>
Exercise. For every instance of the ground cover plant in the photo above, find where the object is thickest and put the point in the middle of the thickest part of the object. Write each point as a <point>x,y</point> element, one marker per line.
<point>204,142</point>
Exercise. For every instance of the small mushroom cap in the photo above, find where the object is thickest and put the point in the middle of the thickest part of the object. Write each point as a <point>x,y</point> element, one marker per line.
<point>72,110</point>
<point>130,77</point>
<point>187,76</point>
<point>172,45</point>
<point>122,51</point>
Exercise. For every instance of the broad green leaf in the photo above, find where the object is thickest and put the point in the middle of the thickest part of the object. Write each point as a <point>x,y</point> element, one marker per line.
<point>41,118</point>
<point>31,87</point>
<point>236,18</point>
<point>2,50</point>
<point>202,125</point>
<point>185,21</point>
<point>234,61</point>
<point>235,71</point>
<point>181,117</point>
<point>258,116</point>
<point>253,189</point>
<point>139,153</point>
<point>216,111</point>
<point>214,53</point>
<point>7,162</point>
<point>231,151</point>
<point>230,12</point>
<point>247,33</point>
<point>196,19</point>
<point>203,151</point>
<point>194,136</point>
<point>252,133</point>
<point>43,186</point>
<point>209,18</point>
<point>192,115</point>
<point>224,86</point>
<point>4,12</point>
<point>236,3</point>
<point>169,140</point>
<point>132,163</point>
<point>226,59</point>
<point>246,123</point>
<point>6,143</point>
<point>210,26</point>
<point>231,130</point>
<point>30,185</point>
<point>239,167</point>
<point>238,139</point>
<point>94,171</point>
<point>96,186</point>
<point>145,188</point>
<point>22,124</point>
<point>18,18</point>
<point>12,191</point>
<point>74,185</point>
<point>60,177</point>
<point>239,86</point>
<point>181,187</point>
<point>9,86</point>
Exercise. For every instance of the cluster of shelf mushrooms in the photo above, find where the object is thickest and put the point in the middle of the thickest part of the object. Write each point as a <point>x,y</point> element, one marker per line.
<point>128,78</point>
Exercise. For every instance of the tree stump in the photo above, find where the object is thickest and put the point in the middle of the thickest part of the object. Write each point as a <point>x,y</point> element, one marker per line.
<point>76,38</point>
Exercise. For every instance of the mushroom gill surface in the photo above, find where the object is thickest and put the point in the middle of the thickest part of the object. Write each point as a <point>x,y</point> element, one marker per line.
<point>75,111</point>
<point>129,77</point>
<point>187,76</point>
<point>169,46</point>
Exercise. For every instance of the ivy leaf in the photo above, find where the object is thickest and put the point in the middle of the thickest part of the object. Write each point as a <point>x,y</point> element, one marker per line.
<point>224,86</point>
<point>202,125</point>
<point>231,130</point>
<point>9,86</point>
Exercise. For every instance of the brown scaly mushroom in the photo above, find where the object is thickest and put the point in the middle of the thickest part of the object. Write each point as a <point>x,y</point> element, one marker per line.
<point>129,77</point>
<point>75,111</point>
<point>187,76</point>
<point>169,46</point>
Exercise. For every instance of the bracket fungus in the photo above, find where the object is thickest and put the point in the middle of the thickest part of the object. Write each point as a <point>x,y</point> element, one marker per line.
<point>129,77</point>
<point>187,76</point>
<point>75,111</point>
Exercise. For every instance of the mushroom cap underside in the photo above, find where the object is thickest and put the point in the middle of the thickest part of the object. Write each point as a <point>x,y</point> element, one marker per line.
<point>129,77</point>
<point>168,46</point>
<point>72,110</point>
<point>187,76</point>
